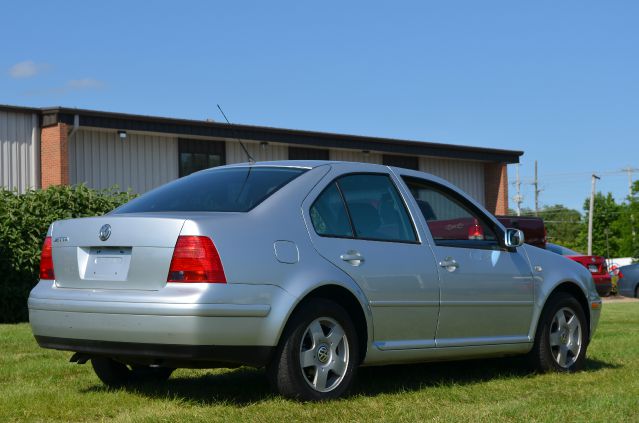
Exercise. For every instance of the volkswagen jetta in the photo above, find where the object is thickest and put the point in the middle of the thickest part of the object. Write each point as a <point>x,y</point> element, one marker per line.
<point>309,269</point>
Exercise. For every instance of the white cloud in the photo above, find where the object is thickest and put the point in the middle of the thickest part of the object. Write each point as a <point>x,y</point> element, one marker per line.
<point>26,69</point>
<point>72,85</point>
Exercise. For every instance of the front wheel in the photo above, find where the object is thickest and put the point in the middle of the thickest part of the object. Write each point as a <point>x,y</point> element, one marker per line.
<point>318,355</point>
<point>562,336</point>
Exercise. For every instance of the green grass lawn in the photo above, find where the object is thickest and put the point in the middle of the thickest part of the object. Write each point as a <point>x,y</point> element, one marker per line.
<point>40,385</point>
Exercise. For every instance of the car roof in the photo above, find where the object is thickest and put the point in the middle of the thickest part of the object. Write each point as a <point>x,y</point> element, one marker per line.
<point>307,164</point>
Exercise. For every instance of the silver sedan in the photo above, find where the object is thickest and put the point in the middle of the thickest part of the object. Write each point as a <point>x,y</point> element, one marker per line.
<point>310,269</point>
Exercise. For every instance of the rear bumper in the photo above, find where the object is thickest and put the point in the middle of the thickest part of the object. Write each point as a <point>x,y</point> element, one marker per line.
<point>603,283</point>
<point>169,355</point>
<point>190,323</point>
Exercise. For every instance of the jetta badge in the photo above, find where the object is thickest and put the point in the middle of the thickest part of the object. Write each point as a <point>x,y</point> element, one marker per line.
<point>105,232</point>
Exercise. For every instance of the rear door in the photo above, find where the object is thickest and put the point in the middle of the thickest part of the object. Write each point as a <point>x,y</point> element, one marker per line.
<point>486,289</point>
<point>359,221</point>
<point>114,251</point>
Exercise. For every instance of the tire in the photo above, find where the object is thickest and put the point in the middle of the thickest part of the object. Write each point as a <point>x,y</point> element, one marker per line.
<point>115,374</point>
<point>318,353</point>
<point>560,343</point>
<point>637,291</point>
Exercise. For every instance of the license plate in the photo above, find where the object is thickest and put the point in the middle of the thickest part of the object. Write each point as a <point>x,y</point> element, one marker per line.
<point>108,263</point>
<point>593,268</point>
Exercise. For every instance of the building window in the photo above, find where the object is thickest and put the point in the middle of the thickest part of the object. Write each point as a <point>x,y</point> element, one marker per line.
<point>407,162</point>
<point>300,153</point>
<point>197,155</point>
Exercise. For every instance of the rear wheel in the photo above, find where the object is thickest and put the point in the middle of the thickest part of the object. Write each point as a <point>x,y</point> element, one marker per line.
<point>637,291</point>
<point>318,354</point>
<point>114,373</point>
<point>561,338</point>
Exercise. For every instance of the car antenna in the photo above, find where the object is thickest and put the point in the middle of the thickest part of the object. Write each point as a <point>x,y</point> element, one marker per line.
<point>251,160</point>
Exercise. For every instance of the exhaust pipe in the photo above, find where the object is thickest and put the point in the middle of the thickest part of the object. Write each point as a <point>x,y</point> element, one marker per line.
<point>79,358</point>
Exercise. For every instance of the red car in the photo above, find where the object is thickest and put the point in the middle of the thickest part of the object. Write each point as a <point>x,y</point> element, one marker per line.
<point>595,264</point>
<point>533,228</point>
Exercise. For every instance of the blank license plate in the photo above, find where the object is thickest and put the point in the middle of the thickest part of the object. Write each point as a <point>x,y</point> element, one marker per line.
<point>108,263</point>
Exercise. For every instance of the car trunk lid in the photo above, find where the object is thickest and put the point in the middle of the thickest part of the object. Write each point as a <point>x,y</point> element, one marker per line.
<point>595,264</point>
<point>114,251</point>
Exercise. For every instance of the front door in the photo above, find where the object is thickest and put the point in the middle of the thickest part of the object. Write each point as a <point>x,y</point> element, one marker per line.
<point>361,224</point>
<point>486,289</point>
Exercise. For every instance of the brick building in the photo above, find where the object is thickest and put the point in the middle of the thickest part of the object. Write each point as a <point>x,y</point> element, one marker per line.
<point>52,146</point>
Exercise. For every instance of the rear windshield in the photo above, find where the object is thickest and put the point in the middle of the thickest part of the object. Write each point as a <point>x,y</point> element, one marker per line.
<point>236,189</point>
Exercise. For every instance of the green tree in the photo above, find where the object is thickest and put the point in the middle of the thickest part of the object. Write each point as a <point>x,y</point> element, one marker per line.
<point>605,229</point>
<point>562,225</point>
<point>628,222</point>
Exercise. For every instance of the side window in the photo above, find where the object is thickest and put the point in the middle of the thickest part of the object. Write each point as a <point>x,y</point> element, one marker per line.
<point>328,214</point>
<point>450,221</point>
<point>376,209</point>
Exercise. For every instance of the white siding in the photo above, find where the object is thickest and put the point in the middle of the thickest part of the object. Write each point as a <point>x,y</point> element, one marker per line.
<point>355,156</point>
<point>467,175</point>
<point>235,154</point>
<point>100,159</point>
<point>19,151</point>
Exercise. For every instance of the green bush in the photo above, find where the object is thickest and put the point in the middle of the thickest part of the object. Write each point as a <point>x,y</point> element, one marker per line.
<point>24,220</point>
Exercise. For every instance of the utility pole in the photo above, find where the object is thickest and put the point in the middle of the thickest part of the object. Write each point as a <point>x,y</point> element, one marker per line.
<point>518,198</point>
<point>537,190</point>
<point>592,209</point>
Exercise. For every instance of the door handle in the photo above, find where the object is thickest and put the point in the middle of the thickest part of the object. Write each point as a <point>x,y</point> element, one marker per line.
<point>352,257</point>
<point>449,264</point>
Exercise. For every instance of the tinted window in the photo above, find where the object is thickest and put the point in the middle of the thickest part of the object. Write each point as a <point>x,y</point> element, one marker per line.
<point>223,190</point>
<point>328,214</point>
<point>301,153</point>
<point>407,162</point>
<point>198,155</point>
<point>449,219</point>
<point>376,209</point>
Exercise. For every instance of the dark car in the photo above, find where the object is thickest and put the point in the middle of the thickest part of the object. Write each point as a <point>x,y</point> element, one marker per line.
<point>533,228</point>
<point>595,264</point>
<point>628,283</point>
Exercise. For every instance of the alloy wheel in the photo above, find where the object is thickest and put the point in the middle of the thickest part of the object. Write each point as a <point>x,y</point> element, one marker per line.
<point>565,337</point>
<point>324,354</point>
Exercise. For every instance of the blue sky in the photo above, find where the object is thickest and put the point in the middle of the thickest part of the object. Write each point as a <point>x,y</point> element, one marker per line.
<point>556,79</point>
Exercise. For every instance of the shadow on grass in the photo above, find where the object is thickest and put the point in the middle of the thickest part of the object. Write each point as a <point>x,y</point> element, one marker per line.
<point>389,379</point>
<point>244,386</point>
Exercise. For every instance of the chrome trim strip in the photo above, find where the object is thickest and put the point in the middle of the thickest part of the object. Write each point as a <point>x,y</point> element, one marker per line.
<point>405,345</point>
<point>494,340</point>
<point>487,303</point>
<point>404,303</point>
<point>157,309</point>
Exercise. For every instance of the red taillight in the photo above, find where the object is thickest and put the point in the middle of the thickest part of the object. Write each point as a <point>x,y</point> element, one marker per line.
<point>46,260</point>
<point>195,259</point>
<point>475,231</point>
<point>620,274</point>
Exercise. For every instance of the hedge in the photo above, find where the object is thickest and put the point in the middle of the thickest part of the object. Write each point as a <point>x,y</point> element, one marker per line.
<point>24,220</point>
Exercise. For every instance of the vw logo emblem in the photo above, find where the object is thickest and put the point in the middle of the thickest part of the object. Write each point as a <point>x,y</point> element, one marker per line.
<point>322,354</point>
<point>105,232</point>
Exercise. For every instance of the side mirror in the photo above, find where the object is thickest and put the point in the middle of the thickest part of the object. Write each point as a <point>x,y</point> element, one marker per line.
<point>514,237</point>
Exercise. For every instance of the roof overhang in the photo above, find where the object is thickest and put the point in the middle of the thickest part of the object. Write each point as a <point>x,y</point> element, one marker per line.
<point>195,128</point>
